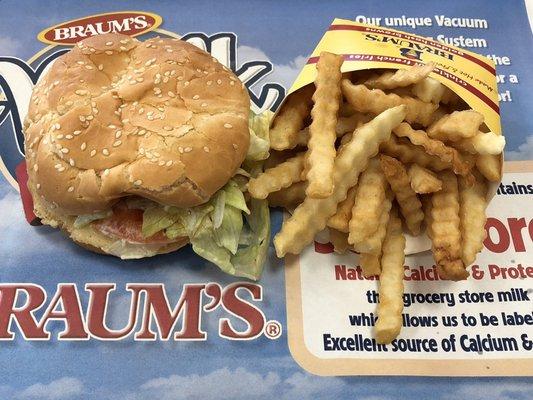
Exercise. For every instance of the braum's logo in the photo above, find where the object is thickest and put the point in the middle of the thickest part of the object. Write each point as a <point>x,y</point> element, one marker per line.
<point>132,23</point>
<point>411,53</point>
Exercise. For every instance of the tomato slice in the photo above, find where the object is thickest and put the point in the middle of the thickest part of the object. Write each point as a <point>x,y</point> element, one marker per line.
<point>126,223</point>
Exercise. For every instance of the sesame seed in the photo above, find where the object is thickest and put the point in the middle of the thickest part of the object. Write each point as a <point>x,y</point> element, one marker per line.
<point>60,169</point>
<point>117,143</point>
<point>118,134</point>
<point>64,150</point>
<point>83,146</point>
<point>109,43</point>
<point>169,163</point>
<point>187,149</point>
<point>161,163</point>
<point>141,110</point>
<point>232,83</point>
<point>204,104</point>
<point>180,78</point>
<point>196,97</point>
<point>82,118</point>
<point>171,94</point>
<point>235,146</point>
<point>206,149</point>
<point>186,83</point>
<point>80,62</point>
<point>76,133</point>
<point>209,83</point>
<point>69,137</point>
<point>35,167</point>
<point>59,137</point>
<point>180,149</point>
<point>57,126</point>
<point>88,67</point>
<point>81,92</point>
<point>165,79</point>
<point>105,152</point>
<point>219,81</point>
<point>141,132</point>
<point>100,67</point>
<point>138,182</point>
<point>140,79</point>
<point>93,153</point>
<point>71,162</point>
<point>38,186</point>
<point>70,188</point>
<point>167,128</point>
<point>89,117</point>
<point>141,150</point>
<point>108,52</point>
<point>228,126</point>
<point>106,171</point>
<point>125,121</point>
<point>124,41</point>
<point>122,48</point>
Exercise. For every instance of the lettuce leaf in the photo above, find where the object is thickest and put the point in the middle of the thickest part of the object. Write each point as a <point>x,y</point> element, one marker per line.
<point>86,219</point>
<point>259,143</point>
<point>227,235</point>
<point>156,219</point>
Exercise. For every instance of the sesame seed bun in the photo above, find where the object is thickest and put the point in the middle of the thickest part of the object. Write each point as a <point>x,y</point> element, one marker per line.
<point>116,117</point>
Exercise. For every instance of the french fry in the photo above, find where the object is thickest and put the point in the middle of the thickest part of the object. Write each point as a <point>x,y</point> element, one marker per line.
<point>290,119</point>
<point>368,204</point>
<point>423,180</point>
<point>410,205</point>
<point>401,77</point>
<point>490,166</point>
<point>312,215</point>
<point>482,143</point>
<point>375,101</point>
<point>456,126</point>
<point>445,230</point>
<point>370,264</point>
<point>339,240</point>
<point>434,147</point>
<point>288,197</point>
<point>372,243</point>
<point>472,212</point>
<point>391,287</point>
<point>431,90</point>
<point>344,125</point>
<point>407,153</point>
<point>426,208</point>
<point>276,157</point>
<point>342,216</point>
<point>321,151</point>
<point>279,177</point>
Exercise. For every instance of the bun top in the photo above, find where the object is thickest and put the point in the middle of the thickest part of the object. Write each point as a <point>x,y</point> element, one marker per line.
<point>115,117</point>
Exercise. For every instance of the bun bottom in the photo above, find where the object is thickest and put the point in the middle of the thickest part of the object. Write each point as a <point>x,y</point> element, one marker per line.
<point>94,240</point>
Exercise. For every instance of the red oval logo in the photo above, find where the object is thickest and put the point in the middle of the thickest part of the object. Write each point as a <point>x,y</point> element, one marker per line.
<point>130,23</point>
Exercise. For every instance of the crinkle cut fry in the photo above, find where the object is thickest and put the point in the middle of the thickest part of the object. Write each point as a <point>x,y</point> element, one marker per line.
<point>423,180</point>
<point>456,126</point>
<point>407,153</point>
<point>311,216</point>
<point>368,204</point>
<point>288,197</point>
<point>342,216</point>
<point>446,231</point>
<point>370,264</point>
<point>344,125</point>
<point>410,205</point>
<point>375,101</point>
<point>372,243</point>
<point>435,147</point>
<point>290,119</point>
<point>321,151</point>
<point>401,77</point>
<point>473,205</point>
<point>490,166</point>
<point>339,240</point>
<point>391,287</point>
<point>482,143</point>
<point>279,177</point>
